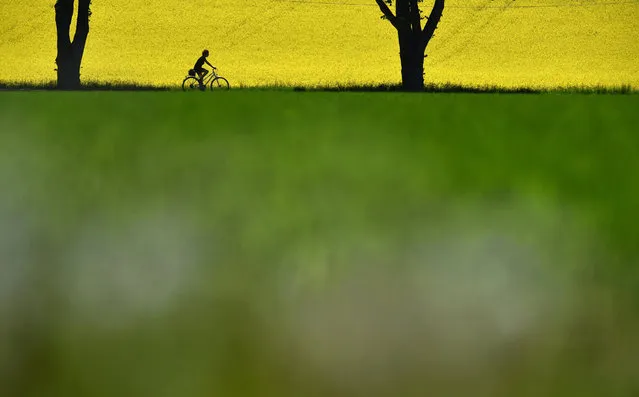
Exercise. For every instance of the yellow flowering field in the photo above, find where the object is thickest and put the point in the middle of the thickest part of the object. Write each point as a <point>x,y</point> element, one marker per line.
<point>536,43</point>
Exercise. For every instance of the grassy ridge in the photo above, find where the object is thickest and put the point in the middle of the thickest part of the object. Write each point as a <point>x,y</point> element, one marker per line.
<point>439,88</point>
<point>282,243</point>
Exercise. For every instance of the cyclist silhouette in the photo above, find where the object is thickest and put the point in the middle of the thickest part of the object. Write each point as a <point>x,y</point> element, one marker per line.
<point>199,69</point>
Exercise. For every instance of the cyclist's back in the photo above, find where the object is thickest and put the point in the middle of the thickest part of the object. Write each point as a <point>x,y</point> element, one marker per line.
<point>200,63</point>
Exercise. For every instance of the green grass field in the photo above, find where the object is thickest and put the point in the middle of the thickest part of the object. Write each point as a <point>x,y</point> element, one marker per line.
<point>264,243</point>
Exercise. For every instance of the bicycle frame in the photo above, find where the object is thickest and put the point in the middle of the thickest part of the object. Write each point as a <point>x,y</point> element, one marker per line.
<point>209,77</point>
<point>208,80</point>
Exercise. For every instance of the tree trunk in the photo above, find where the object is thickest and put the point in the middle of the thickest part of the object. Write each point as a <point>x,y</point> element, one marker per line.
<point>411,54</point>
<point>68,73</point>
<point>69,57</point>
<point>413,74</point>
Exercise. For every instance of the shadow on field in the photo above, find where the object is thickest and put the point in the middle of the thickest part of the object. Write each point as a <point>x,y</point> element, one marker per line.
<point>429,88</point>
<point>455,88</point>
<point>86,86</point>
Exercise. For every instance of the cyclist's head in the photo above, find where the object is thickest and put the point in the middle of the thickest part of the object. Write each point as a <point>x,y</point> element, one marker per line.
<point>205,53</point>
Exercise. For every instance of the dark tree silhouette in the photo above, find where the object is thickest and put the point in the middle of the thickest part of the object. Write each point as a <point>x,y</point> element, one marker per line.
<point>70,53</point>
<point>413,40</point>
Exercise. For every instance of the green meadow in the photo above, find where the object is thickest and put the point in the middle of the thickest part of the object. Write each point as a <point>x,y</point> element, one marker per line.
<point>274,243</point>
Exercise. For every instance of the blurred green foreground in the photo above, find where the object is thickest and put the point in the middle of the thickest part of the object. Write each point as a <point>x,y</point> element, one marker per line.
<point>317,244</point>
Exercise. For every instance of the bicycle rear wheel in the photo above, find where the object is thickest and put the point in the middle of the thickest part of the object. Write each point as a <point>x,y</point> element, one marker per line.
<point>220,84</point>
<point>191,84</point>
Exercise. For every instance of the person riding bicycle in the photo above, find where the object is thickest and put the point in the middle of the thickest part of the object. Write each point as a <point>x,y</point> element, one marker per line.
<point>199,65</point>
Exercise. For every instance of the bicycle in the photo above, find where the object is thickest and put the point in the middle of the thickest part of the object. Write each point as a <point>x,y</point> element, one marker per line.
<point>213,80</point>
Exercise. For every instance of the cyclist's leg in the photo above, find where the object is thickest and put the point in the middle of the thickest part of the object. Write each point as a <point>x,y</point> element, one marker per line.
<point>200,74</point>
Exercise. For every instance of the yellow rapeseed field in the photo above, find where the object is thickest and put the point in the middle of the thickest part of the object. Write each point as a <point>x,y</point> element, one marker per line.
<point>257,42</point>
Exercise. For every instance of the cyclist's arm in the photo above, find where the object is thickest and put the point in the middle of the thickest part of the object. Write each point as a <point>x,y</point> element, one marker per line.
<point>208,63</point>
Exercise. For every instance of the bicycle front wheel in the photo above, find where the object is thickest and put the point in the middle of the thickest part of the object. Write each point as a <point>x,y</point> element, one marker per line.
<point>191,84</point>
<point>220,84</point>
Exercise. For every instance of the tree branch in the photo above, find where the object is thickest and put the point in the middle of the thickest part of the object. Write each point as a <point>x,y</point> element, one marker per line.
<point>387,13</point>
<point>63,16</point>
<point>433,21</point>
<point>82,27</point>
<point>415,20</point>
